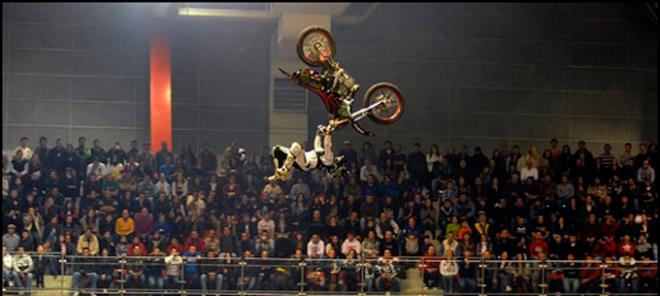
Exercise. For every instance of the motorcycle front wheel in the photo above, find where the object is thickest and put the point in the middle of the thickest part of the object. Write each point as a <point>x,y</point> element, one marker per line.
<point>315,45</point>
<point>393,105</point>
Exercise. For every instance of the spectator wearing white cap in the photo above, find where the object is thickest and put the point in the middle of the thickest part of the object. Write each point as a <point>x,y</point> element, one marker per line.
<point>11,239</point>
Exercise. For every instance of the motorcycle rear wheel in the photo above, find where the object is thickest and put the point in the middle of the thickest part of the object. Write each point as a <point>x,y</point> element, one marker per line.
<point>391,112</point>
<point>307,38</point>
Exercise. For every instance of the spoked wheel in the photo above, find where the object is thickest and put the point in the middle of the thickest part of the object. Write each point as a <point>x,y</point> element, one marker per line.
<point>392,107</point>
<point>315,45</point>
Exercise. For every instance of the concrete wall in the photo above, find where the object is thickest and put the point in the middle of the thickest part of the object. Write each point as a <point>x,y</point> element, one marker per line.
<point>73,70</point>
<point>485,74</point>
<point>471,73</point>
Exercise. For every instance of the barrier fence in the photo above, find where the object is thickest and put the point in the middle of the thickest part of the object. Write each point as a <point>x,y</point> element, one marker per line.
<point>163,275</point>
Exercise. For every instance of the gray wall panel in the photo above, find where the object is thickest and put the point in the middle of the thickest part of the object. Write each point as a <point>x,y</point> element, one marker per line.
<point>41,36</point>
<point>34,87</point>
<point>103,88</point>
<point>103,114</point>
<point>474,73</point>
<point>40,62</point>
<point>105,63</point>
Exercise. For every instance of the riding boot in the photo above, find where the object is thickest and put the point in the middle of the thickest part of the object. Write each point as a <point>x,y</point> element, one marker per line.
<point>283,173</point>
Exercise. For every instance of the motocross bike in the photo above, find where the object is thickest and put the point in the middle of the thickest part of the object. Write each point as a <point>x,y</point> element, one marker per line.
<point>383,102</point>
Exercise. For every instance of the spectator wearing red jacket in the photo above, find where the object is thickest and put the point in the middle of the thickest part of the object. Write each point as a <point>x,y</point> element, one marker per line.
<point>137,243</point>
<point>609,227</point>
<point>538,245</point>
<point>175,244</point>
<point>195,240</point>
<point>626,246</point>
<point>590,276</point>
<point>606,247</point>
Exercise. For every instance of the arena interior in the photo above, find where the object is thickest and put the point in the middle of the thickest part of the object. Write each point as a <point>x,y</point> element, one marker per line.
<point>329,148</point>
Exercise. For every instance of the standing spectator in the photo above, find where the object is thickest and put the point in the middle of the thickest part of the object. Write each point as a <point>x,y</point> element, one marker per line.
<point>23,147</point>
<point>163,154</point>
<point>430,267</point>
<point>173,262</point>
<point>40,264</point>
<point>133,152</point>
<point>398,159</point>
<point>147,160</point>
<point>57,157</point>
<point>155,272</point>
<point>467,272</point>
<point>211,272</point>
<point>191,268</point>
<point>208,158</point>
<point>98,151</point>
<point>83,156</point>
<point>416,164</point>
<point>136,276</point>
<point>571,281</point>
<point>42,152</point>
<point>448,270</point>
<point>350,156</point>
<point>386,159</point>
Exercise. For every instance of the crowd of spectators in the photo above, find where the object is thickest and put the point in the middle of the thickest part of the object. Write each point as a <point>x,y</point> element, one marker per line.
<point>206,212</point>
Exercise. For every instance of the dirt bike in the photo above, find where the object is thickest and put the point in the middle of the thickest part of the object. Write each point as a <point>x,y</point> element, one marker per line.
<point>383,102</point>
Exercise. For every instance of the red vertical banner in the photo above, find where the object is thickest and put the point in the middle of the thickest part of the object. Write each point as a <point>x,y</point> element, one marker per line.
<point>160,87</point>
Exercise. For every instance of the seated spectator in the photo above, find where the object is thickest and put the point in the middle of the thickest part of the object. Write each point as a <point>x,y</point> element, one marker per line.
<point>85,267</point>
<point>387,271</point>
<point>629,277</point>
<point>590,276</point>
<point>11,239</point>
<point>144,223</point>
<point>88,241</point>
<point>23,266</point>
<point>351,243</point>
<point>9,275</point>
<point>211,272</point>
<point>125,225</point>
<point>316,248</point>
<point>645,172</point>
<point>538,245</point>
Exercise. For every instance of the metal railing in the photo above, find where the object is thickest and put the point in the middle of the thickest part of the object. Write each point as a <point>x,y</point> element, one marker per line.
<point>152,275</point>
